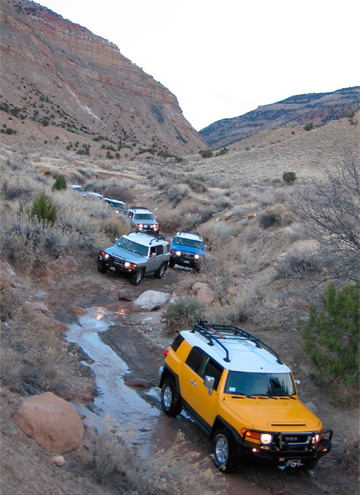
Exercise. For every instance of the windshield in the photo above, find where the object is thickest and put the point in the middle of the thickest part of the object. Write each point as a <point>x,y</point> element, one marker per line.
<point>144,216</point>
<point>181,241</point>
<point>268,384</point>
<point>132,246</point>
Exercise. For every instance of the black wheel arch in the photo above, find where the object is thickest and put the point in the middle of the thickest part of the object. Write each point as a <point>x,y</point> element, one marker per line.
<point>221,423</point>
<point>168,373</point>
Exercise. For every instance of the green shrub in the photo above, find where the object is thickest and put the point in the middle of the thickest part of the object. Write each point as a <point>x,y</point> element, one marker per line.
<point>183,314</point>
<point>44,209</point>
<point>289,177</point>
<point>206,153</point>
<point>309,127</point>
<point>60,183</point>
<point>331,336</point>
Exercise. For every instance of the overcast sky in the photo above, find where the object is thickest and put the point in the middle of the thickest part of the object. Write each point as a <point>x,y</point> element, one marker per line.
<point>223,58</point>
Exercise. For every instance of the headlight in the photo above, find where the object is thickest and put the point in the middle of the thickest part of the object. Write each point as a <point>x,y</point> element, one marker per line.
<point>126,264</point>
<point>196,256</point>
<point>316,438</point>
<point>106,256</point>
<point>178,253</point>
<point>266,438</point>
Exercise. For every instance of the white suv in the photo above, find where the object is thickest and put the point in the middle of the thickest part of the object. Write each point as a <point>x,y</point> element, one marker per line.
<point>137,254</point>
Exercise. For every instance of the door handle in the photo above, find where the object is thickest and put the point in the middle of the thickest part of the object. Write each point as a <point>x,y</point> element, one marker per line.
<point>194,383</point>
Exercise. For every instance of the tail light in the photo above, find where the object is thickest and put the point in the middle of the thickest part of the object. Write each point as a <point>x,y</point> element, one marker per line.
<point>165,352</point>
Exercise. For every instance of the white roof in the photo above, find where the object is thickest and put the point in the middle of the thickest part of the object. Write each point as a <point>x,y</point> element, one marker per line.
<point>145,238</point>
<point>189,235</point>
<point>244,355</point>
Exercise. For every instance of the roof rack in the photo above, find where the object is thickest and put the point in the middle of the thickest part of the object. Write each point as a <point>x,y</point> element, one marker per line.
<point>217,333</point>
<point>187,231</point>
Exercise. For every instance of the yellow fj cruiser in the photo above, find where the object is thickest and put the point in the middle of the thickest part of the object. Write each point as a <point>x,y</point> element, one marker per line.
<point>241,394</point>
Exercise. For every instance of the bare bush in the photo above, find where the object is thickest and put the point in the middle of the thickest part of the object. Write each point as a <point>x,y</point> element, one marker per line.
<point>218,233</point>
<point>330,212</point>
<point>276,215</point>
<point>165,472</point>
<point>301,259</point>
<point>115,227</point>
<point>177,192</point>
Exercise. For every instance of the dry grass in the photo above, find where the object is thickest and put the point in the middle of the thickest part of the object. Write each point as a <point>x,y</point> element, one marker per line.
<point>173,471</point>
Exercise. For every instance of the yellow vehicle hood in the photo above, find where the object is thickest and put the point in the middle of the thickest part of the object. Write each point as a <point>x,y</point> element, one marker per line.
<point>271,414</point>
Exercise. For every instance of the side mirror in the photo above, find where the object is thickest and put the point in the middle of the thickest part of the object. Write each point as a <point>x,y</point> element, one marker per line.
<point>209,383</point>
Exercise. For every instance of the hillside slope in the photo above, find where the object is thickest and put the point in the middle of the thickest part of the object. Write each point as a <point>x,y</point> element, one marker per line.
<point>315,108</point>
<point>58,79</point>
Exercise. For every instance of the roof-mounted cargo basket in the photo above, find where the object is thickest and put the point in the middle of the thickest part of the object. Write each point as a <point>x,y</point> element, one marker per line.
<point>219,334</point>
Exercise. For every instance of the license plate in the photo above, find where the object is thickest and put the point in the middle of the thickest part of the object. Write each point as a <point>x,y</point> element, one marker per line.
<point>186,262</point>
<point>293,463</point>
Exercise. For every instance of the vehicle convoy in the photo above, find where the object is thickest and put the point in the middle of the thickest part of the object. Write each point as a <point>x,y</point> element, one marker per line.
<point>241,394</point>
<point>136,254</point>
<point>142,218</point>
<point>187,249</point>
<point>116,204</point>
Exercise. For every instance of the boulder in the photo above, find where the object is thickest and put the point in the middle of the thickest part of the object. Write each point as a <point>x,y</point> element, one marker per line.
<point>52,422</point>
<point>204,293</point>
<point>151,300</point>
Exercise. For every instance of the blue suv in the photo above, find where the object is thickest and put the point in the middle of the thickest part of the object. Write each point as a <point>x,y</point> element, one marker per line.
<point>187,249</point>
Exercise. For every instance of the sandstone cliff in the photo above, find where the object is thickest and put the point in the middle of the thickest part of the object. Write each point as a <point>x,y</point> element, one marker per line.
<point>58,79</point>
<point>314,108</point>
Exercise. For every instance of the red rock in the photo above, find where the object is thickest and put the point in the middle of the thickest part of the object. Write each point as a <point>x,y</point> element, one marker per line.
<point>51,421</point>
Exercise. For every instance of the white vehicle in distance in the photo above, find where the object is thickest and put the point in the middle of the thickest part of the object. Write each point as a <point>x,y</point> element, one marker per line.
<point>116,204</point>
<point>76,188</point>
<point>142,219</point>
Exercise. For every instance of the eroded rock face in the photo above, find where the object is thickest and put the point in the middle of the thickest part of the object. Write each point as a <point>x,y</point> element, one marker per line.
<point>52,422</point>
<point>204,293</point>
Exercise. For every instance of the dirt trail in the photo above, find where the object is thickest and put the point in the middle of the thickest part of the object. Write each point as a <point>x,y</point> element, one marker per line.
<point>138,339</point>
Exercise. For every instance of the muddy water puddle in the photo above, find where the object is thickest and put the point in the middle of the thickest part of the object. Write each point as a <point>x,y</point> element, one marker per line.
<point>130,411</point>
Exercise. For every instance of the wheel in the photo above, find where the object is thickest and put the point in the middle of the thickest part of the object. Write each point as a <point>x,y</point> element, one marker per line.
<point>102,268</point>
<point>225,457</point>
<point>172,263</point>
<point>161,271</point>
<point>170,398</point>
<point>137,277</point>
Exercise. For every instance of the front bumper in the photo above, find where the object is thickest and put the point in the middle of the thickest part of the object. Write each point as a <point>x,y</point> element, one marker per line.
<point>186,259</point>
<point>284,453</point>
<point>117,264</point>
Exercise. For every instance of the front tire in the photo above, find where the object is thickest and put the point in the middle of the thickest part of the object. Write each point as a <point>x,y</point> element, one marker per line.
<point>102,268</point>
<point>161,271</point>
<point>137,277</point>
<point>172,264</point>
<point>170,398</point>
<point>223,448</point>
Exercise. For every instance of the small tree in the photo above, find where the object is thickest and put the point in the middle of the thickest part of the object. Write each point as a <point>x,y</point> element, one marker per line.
<point>183,314</point>
<point>59,184</point>
<point>331,336</point>
<point>44,209</point>
<point>289,177</point>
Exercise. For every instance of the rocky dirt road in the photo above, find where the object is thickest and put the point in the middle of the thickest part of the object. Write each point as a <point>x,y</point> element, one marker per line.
<point>138,338</point>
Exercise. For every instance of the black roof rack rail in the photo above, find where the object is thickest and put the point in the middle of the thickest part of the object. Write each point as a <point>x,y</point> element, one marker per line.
<point>156,237</point>
<point>217,333</point>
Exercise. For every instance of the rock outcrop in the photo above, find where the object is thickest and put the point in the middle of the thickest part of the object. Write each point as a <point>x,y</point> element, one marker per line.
<point>67,81</point>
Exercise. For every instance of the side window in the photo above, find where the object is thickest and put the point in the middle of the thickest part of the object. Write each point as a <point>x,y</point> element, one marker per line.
<point>152,250</point>
<point>177,342</point>
<point>211,368</point>
<point>195,359</point>
<point>159,250</point>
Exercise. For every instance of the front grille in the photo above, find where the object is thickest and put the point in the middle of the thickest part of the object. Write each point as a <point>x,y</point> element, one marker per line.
<point>299,442</point>
<point>116,261</point>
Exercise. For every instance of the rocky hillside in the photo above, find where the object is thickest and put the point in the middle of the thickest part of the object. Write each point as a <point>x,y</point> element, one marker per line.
<point>309,109</point>
<point>63,85</point>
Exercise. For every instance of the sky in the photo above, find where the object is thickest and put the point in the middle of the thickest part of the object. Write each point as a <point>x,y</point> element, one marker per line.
<point>224,58</point>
